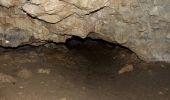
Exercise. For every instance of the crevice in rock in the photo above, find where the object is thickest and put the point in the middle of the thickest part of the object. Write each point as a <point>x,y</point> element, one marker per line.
<point>88,41</point>
<point>95,11</point>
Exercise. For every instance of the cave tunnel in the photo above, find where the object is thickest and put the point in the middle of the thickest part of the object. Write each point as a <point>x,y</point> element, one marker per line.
<point>80,69</point>
<point>84,49</point>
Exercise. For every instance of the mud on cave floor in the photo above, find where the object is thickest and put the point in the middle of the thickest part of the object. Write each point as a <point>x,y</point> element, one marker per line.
<point>87,71</point>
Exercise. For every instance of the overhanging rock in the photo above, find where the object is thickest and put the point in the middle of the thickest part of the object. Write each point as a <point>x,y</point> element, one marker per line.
<point>143,26</point>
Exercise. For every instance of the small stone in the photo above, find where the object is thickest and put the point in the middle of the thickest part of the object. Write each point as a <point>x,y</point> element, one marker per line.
<point>166,89</point>
<point>4,64</point>
<point>21,87</point>
<point>6,41</point>
<point>163,66</point>
<point>64,98</point>
<point>123,55</point>
<point>44,71</point>
<point>125,69</point>
<point>161,93</point>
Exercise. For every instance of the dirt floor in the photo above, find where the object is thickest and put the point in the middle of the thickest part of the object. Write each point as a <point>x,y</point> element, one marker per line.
<point>84,72</point>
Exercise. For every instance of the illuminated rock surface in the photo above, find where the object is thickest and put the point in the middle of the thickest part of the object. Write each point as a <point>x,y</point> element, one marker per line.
<point>140,25</point>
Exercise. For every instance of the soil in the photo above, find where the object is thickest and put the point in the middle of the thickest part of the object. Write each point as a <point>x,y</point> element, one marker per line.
<point>85,72</point>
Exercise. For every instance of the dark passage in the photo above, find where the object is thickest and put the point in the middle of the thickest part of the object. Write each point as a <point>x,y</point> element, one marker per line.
<point>81,69</point>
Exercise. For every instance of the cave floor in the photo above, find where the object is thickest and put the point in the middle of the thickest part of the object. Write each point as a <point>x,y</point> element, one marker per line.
<point>81,73</point>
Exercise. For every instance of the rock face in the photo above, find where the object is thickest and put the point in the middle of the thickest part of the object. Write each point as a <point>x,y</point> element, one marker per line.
<point>143,26</point>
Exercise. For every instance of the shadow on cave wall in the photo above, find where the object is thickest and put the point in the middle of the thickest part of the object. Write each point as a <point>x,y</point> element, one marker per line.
<point>76,42</point>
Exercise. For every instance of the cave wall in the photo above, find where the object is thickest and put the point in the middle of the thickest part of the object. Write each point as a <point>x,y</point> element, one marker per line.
<point>143,26</point>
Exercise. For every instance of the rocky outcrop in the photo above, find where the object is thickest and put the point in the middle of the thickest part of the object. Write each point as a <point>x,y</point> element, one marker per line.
<point>140,25</point>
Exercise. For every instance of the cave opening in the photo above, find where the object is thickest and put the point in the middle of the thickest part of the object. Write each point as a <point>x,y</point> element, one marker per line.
<point>80,69</point>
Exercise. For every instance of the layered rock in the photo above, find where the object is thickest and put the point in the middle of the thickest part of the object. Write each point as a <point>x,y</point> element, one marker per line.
<point>140,25</point>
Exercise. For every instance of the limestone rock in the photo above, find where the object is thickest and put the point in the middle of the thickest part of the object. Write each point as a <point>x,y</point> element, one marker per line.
<point>9,3</point>
<point>140,25</point>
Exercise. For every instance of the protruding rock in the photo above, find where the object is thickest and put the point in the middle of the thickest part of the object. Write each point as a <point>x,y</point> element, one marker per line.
<point>10,3</point>
<point>126,69</point>
<point>140,25</point>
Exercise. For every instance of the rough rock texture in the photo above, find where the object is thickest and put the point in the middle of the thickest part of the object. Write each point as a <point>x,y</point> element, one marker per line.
<point>143,26</point>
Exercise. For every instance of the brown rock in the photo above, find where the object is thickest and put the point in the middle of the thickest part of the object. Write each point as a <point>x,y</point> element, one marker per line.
<point>4,78</point>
